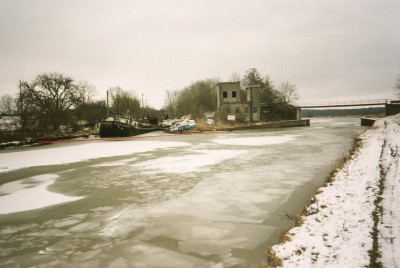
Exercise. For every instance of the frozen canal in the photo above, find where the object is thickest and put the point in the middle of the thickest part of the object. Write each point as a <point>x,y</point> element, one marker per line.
<point>203,200</point>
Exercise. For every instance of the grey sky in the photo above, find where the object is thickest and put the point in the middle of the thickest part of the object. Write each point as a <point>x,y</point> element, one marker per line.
<point>332,50</point>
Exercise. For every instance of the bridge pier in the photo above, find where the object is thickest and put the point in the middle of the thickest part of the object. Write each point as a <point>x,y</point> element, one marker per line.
<point>298,113</point>
<point>392,108</point>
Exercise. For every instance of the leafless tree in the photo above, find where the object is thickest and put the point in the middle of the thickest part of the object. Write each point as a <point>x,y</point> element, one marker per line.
<point>85,92</point>
<point>171,102</point>
<point>7,105</point>
<point>288,92</point>
<point>396,87</point>
<point>50,97</point>
<point>124,101</point>
<point>235,77</point>
<point>197,98</point>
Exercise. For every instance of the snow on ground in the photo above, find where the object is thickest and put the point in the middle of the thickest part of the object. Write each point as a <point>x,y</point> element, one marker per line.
<point>389,225</point>
<point>338,228</point>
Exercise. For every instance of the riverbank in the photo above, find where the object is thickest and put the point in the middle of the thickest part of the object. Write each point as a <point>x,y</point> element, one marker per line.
<point>201,127</point>
<point>355,220</point>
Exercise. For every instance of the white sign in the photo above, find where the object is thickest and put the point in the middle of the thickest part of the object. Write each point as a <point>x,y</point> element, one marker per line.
<point>231,117</point>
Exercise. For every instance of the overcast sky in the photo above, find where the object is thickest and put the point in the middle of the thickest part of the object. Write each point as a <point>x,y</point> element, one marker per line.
<point>331,50</point>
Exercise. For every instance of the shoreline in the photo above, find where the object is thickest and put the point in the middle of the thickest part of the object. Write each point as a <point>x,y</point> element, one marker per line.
<point>346,223</point>
<point>304,196</point>
<point>200,128</point>
<point>277,124</point>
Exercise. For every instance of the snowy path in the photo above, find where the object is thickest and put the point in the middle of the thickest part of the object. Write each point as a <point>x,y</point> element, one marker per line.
<point>338,230</point>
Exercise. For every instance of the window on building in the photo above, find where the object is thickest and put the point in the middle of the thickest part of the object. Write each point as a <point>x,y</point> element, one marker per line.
<point>225,94</point>
<point>246,110</point>
<point>237,110</point>
<point>233,94</point>
<point>254,109</point>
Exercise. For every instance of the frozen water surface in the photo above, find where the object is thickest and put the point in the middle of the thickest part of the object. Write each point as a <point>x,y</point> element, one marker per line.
<point>255,141</point>
<point>78,152</point>
<point>28,194</point>
<point>207,200</point>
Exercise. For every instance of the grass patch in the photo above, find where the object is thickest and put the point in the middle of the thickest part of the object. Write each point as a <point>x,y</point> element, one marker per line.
<point>273,260</point>
<point>374,253</point>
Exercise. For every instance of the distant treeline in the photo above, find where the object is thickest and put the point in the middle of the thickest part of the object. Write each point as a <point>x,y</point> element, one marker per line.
<point>343,112</point>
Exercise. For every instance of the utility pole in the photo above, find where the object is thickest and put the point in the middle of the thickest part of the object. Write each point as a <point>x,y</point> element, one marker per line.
<point>21,111</point>
<point>142,107</point>
<point>108,109</point>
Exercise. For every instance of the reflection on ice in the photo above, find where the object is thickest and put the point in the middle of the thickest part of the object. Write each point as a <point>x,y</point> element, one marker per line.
<point>30,194</point>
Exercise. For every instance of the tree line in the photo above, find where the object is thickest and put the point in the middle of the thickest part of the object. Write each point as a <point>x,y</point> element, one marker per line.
<point>200,97</point>
<point>53,103</point>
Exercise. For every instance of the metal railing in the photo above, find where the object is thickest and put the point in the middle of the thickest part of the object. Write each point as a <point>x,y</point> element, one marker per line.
<point>344,103</point>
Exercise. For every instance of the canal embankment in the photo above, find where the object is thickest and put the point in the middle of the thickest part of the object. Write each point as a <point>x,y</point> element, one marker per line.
<point>353,220</point>
<point>200,126</point>
<point>278,124</point>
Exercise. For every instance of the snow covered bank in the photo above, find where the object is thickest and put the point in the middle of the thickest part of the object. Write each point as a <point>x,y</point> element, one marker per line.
<point>356,218</point>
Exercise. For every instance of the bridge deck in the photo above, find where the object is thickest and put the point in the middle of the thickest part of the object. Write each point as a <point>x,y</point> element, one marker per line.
<point>344,103</point>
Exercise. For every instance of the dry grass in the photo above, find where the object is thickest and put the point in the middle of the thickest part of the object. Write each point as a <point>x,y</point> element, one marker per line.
<point>201,127</point>
<point>273,260</point>
<point>284,236</point>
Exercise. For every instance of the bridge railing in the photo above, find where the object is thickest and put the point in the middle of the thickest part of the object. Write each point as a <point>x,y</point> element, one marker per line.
<point>344,103</point>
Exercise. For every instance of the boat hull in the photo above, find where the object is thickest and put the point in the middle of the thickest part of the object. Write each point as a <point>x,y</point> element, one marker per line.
<point>109,130</point>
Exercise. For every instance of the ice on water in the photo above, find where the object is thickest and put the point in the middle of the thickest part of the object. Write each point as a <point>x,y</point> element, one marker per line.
<point>220,213</point>
<point>64,155</point>
<point>256,141</point>
<point>185,204</point>
<point>196,161</point>
<point>31,193</point>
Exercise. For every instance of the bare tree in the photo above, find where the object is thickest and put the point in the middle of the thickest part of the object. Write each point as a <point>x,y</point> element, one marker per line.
<point>288,92</point>
<point>235,77</point>
<point>396,87</point>
<point>170,104</point>
<point>50,97</point>
<point>85,92</point>
<point>195,99</point>
<point>124,101</point>
<point>8,105</point>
